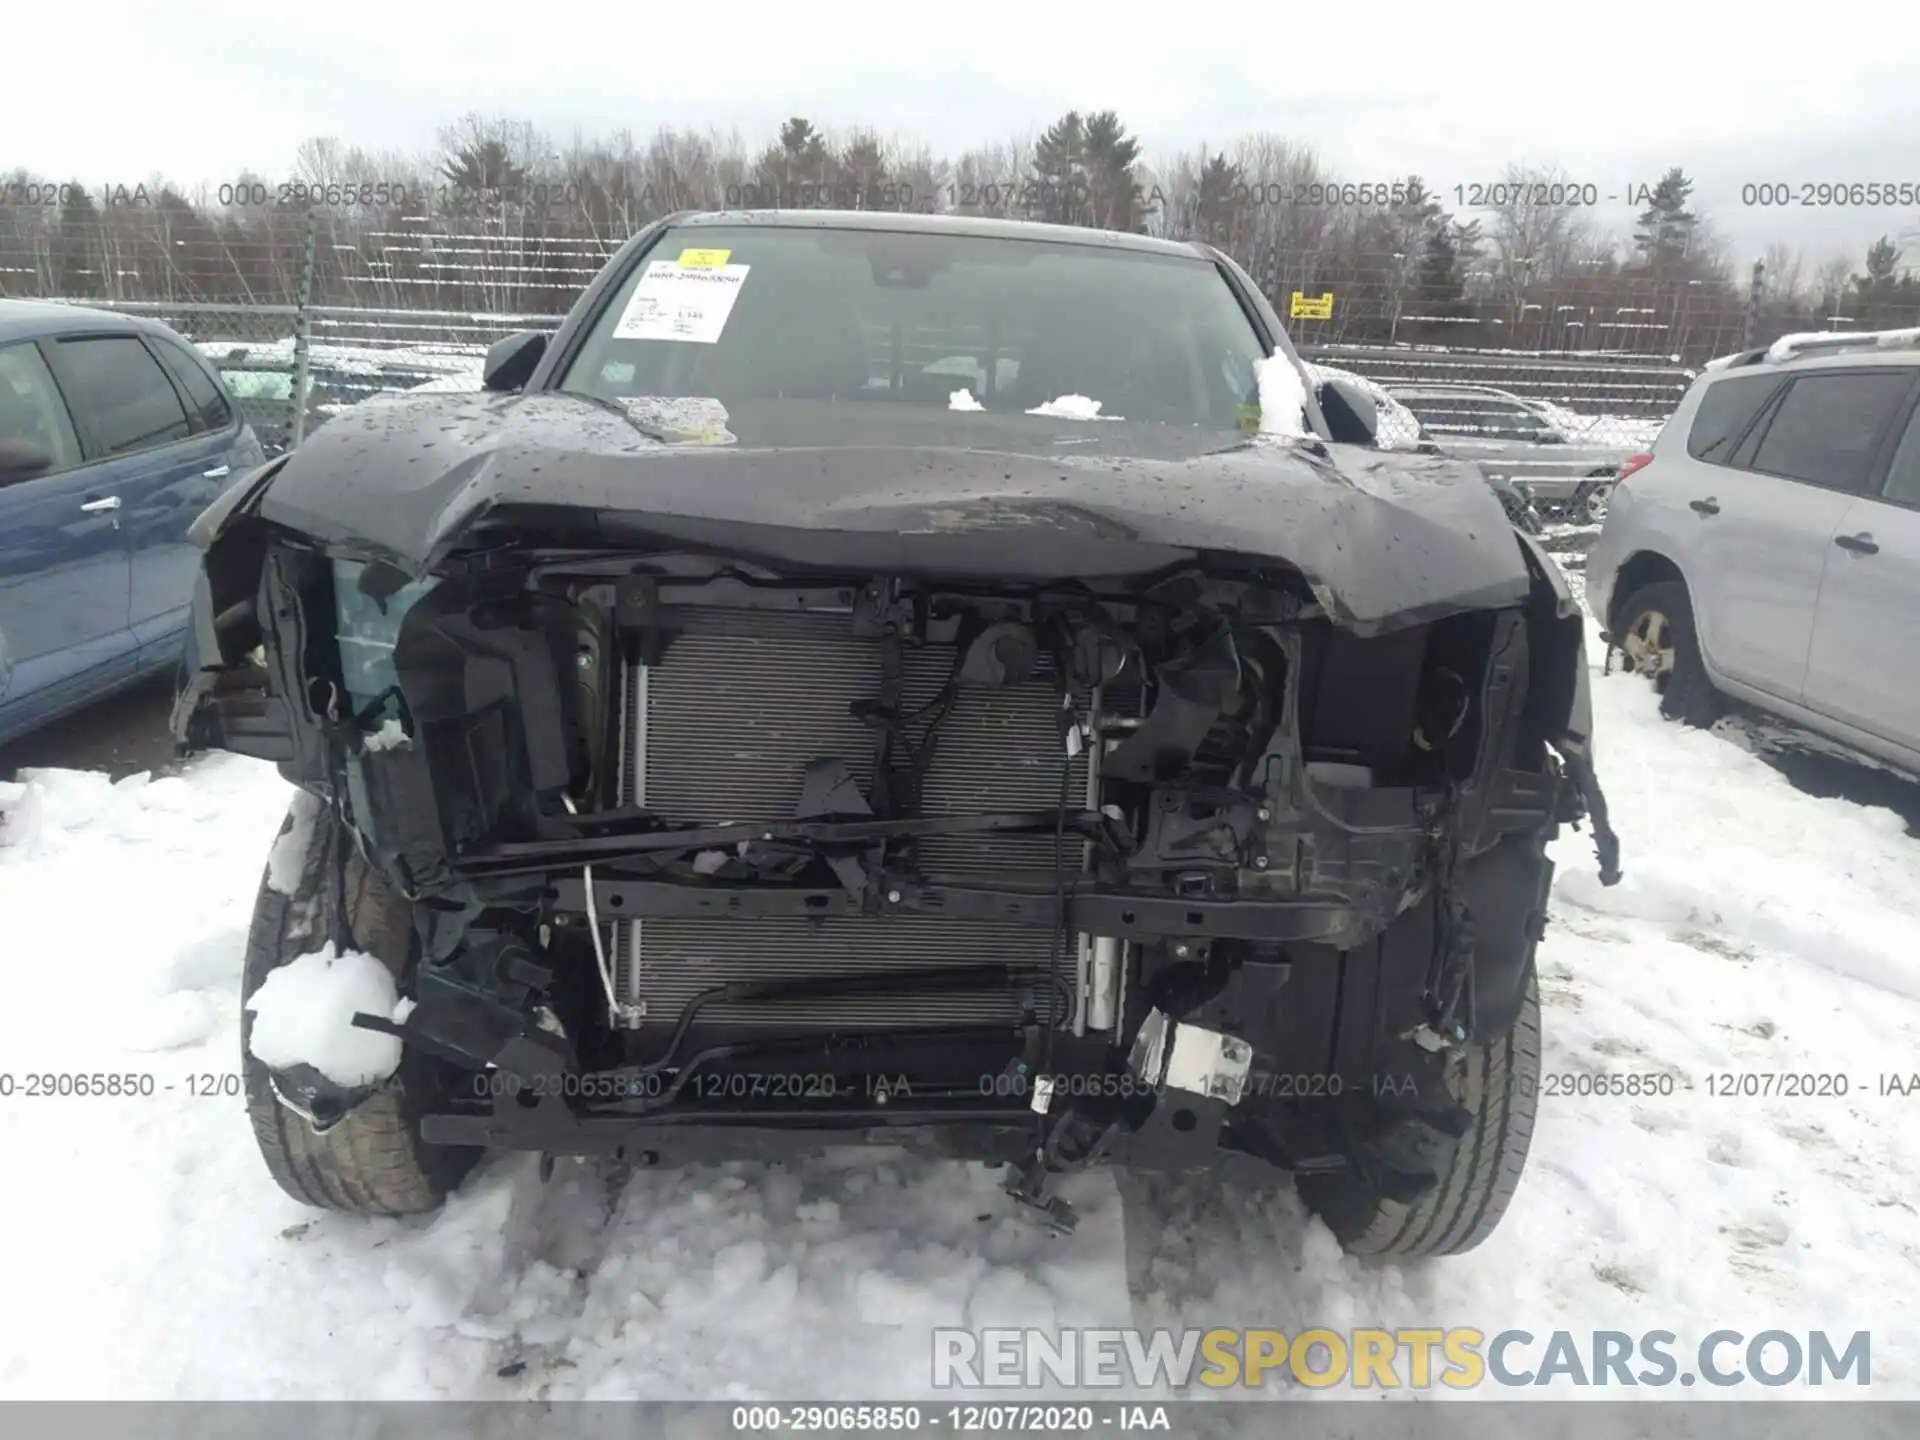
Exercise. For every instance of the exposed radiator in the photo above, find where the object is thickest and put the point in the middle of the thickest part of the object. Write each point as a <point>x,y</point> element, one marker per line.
<point>722,729</point>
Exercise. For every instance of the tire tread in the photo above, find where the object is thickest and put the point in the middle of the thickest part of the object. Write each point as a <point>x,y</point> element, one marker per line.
<point>372,1162</point>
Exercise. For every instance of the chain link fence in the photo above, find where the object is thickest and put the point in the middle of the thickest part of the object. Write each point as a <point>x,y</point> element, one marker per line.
<point>1553,384</point>
<point>336,355</point>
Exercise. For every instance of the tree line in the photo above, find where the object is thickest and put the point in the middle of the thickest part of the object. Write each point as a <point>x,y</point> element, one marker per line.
<point>501,220</point>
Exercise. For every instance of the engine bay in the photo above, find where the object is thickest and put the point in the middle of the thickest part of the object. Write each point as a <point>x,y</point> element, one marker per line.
<point>674,818</point>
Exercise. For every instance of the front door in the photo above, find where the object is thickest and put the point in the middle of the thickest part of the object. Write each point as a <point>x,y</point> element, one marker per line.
<point>1864,668</point>
<point>64,574</point>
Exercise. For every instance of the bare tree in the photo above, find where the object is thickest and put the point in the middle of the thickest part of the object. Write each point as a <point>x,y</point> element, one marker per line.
<point>1782,270</point>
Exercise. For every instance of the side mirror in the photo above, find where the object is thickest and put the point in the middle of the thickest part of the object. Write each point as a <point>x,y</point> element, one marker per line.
<point>22,460</point>
<point>510,361</point>
<point>1352,417</point>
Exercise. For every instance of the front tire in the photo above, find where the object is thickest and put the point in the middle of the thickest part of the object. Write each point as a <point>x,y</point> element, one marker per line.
<point>1497,1083</point>
<point>371,1161</point>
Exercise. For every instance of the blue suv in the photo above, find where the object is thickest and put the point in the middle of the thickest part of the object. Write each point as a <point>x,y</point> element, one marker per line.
<point>114,435</point>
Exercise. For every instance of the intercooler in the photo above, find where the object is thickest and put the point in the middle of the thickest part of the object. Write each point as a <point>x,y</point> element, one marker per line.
<point>722,729</point>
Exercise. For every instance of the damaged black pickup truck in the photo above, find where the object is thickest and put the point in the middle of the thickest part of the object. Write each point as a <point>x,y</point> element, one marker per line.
<point>912,680</point>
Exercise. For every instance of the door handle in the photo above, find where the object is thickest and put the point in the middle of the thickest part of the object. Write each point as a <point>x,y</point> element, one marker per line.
<point>98,507</point>
<point>216,472</point>
<point>1861,544</point>
<point>1708,506</point>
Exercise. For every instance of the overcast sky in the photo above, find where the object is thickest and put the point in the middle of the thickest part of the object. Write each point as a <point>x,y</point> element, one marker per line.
<point>200,89</point>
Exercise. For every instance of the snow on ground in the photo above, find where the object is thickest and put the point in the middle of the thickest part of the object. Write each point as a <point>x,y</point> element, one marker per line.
<point>1758,930</point>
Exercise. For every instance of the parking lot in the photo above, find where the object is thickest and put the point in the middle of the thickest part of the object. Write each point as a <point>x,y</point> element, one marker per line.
<point>916,777</point>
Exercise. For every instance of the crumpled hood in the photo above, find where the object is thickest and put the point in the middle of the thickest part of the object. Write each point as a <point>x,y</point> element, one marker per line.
<point>1386,539</point>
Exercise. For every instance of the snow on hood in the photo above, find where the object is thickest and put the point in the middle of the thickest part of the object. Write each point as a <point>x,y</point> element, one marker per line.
<point>1283,399</point>
<point>683,419</point>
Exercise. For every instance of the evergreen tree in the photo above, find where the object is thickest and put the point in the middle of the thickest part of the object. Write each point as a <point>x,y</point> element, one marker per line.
<point>1060,170</point>
<point>1111,154</point>
<point>483,165</point>
<point>1215,203</point>
<point>1664,232</point>
<point>1883,259</point>
<point>78,246</point>
<point>866,173</point>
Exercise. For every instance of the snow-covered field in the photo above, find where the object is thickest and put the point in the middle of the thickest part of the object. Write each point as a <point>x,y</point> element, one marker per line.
<point>147,1253</point>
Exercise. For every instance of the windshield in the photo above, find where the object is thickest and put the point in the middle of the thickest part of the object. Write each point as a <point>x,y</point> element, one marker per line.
<point>884,319</point>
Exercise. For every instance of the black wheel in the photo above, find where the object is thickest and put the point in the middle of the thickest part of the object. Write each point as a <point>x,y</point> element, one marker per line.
<point>371,1160</point>
<point>1495,1084</point>
<point>1657,637</point>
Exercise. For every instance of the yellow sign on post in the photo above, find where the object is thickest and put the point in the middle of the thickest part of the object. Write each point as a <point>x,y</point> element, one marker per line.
<point>1309,307</point>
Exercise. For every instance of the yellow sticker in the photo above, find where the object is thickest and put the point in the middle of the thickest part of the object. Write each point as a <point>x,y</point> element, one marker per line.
<point>704,259</point>
<point>1310,307</point>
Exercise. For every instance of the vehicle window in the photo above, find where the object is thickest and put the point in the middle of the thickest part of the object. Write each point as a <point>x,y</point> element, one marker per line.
<point>1825,427</point>
<point>31,410</point>
<point>121,394</point>
<point>207,406</point>
<point>1486,416</point>
<point>1511,421</point>
<point>886,320</point>
<point>1903,475</point>
<point>1726,410</point>
<point>1449,414</point>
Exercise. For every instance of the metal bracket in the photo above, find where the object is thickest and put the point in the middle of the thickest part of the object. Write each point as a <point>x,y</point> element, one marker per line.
<point>1173,1055</point>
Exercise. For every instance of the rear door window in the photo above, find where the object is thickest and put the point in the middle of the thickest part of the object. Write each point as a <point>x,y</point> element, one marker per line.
<point>120,394</point>
<point>1827,427</point>
<point>32,413</point>
<point>206,406</point>
<point>1903,475</point>
<point>1725,412</point>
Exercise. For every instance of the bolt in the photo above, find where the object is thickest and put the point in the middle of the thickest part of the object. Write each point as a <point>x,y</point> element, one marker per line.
<point>584,659</point>
<point>1264,813</point>
<point>893,897</point>
<point>1182,950</point>
<point>1259,862</point>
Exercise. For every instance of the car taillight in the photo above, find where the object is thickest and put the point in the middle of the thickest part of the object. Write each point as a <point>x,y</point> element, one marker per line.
<point>1633,463</point>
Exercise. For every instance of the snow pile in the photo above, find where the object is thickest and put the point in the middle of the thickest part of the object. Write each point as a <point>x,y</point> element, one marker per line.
<point>1788,346</point>
<point>303,1015</point>
<point>1072,407</point>
<point>683,419</point>
<point>962,399</point>
<point>1283,399</point>
<point>391,735</point>
<point>140,890</point>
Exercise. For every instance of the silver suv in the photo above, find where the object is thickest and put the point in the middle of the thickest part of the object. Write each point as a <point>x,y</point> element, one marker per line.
<point>1770,549</point>
<point>1521,440</point>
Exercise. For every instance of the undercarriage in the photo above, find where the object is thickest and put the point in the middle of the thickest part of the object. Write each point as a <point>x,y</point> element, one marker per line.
<point>710,858</point>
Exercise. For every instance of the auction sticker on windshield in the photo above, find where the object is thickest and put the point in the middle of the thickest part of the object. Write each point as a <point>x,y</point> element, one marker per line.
<point>678,301</point>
